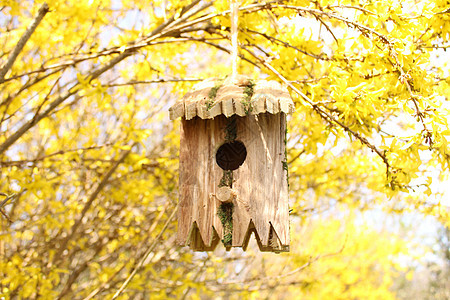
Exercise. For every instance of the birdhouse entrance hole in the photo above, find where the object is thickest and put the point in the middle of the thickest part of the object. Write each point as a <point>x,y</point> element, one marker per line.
<point>231,155</point>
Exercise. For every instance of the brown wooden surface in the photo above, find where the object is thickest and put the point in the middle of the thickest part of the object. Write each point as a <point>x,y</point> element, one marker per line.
<point>260,184</point>
<point>261,181</point>
<point>268,96</point>
<point>199,177</point>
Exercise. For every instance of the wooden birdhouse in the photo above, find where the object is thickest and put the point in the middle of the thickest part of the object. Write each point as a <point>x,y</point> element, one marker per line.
<point>233,170</point>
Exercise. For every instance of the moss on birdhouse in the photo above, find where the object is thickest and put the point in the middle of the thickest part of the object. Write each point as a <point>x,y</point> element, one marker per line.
<point>212,94</point>
<point>284,162</point>
<point>231,130</point>
<point>225,213</point>
<point>248,93</point>
<point>227,179</point>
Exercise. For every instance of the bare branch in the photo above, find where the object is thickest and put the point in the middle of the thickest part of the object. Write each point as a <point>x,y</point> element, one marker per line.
<point>60,152</point>
<point>23,40</point>
<point>77,272</point>
<point>437,47</point>
<point>88,204</point>
<point>128,51</point>
<point>352,7</point>
<point>5,215</point>
<point>84,57</point>
<point>315,12</point>
<point>161,80</point>
<point>111,278</point>
<point>159,32</point>
<point>325,115</point>
<point>8,197</point>
<point>328,28</point>
<point>144,257</point>
<point>275,40</point>
<point>72,91</point>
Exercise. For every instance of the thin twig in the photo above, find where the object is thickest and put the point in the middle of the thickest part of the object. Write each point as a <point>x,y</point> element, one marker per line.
<point>324,114</point>
<point>362,28</point>
<point>159,32</point>
<point>72,91</point>
<point>23,40</point>
<point>77,272</point>
<point>110,279</point>
<point>28,84</point>
<point>275,40</point>
<point>405,78</point>
<point>199,272</point>
<point>328,28</point>
<point>88,204</point>
<point>437,47</point>
<point>144,257</point>
<point>161,80</point>
<point>3,203</point>
<point>8,197</point>
<point>5,215</point>
<point>353,7</point>
<point>60,152</point>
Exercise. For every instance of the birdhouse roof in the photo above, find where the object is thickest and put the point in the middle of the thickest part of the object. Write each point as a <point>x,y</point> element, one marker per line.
<point>241,96</point>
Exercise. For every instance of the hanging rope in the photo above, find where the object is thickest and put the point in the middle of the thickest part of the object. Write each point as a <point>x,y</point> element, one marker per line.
<point>234,36</point>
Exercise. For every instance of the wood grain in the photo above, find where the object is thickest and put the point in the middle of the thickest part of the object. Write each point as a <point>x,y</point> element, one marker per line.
<point>259,184</point>
<point>229,99</point>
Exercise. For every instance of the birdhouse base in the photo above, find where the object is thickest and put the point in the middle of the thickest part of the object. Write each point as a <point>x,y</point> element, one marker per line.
<point>195,241</point>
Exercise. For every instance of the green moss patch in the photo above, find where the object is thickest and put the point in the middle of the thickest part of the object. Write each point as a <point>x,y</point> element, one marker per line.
<point>231,130</point>
<point>248,93</point>
<point>227,179</point>
<point>212,94</point>
<point>225,214</point>
<point>284,162</point>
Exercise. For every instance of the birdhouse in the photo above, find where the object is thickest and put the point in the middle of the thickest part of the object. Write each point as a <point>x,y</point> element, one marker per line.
<point>233,169</point>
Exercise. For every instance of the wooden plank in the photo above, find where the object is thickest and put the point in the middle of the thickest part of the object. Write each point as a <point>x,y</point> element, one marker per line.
<point>199,177</point>
<point>190,110</point>
<point>286,105</point>
<point>266,188</point>
<point>270,105</point>
<point>242,207</point>
<point>177,110</point>
<point>202,108</point>
<point>258,105</point>
<point>280,221</point>
<point>187,183</point>
<point>214,110</point>
<point>239,108</point>
<point>228,107</point>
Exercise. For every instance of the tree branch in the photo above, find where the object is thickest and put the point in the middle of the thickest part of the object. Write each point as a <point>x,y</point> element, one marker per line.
<point>275,40</point>
<point>146,254</point>
<point>362,28</point>
<point>353,7</point>
<point>73,90</point>
<point>40,158</point>
<point>128,51</point>
<point>23,40</point>
<point>161,80</point>
<point>88,205</point>
<point>77,272</point>
<point>325,115</point>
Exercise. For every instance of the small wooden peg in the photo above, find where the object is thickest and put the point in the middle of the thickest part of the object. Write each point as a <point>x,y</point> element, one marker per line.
<point>225,194</point>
